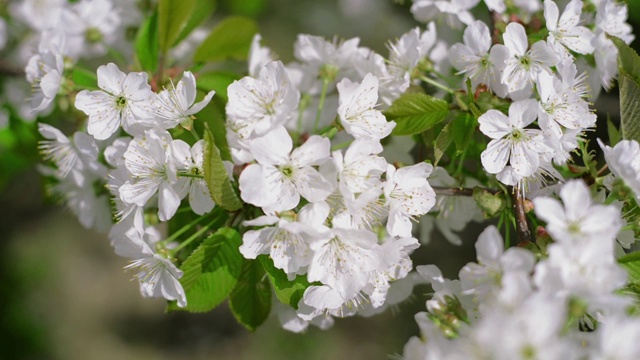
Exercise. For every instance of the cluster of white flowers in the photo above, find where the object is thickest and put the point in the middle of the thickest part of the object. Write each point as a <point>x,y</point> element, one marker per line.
<point>508,307</point>
<point>521,151</point>
<point>341,218</point>
<point>322,199</point>
<point>148,170</point>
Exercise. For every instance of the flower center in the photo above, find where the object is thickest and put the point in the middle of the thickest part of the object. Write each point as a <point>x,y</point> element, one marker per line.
<point>93,35</point>
<point>287,171</point>
<point>121,102</point>
<point>525,61</point>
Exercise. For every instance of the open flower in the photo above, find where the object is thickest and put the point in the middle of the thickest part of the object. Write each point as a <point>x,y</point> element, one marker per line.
<point>125,99</point>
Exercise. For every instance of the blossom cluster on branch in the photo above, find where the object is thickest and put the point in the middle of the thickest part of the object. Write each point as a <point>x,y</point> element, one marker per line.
<point>280,184</point>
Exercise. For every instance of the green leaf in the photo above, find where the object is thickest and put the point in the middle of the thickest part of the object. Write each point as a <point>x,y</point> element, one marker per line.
<point>230,39</point>
<point>173,16</point>
<point>147,45</point>
<point>490,204</point>
<point>631,263</point>
<point>84,78</point>
<point>211,272</point>
<point>215,174</point>
<point>202,11</point>
<point>416,112</point>
<point>443,141</point>
<point>629,82</point>
<point>287,291</point>
<point>250,301</point>
<point>614,133</point>
<point>217,81</point>
<point>462,129</point>
<point>214,118</point>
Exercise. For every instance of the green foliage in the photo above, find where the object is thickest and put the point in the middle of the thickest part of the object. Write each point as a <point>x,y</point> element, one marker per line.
<point>230,39</point>
<point>614,133</point>
<point>217,81</point>
<point>250,301</point>
<point>443,141</point>
<point>462,129</point>
<point>631,263</point>
<point>173,16</point>
<point>84,78</point>
<point>214,119</point>
<point>491,204</point>
<point>416,112</point>
<point>202,11</point>
<point>211,272</point>
<point>629,81</point>
<point>287,291</point>
<point>147,45</point>
<point>215,174</point>
<point>250,8</point>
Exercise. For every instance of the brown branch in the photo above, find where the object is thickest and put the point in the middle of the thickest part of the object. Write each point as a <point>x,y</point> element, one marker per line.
<point>459,191</point>
<point>522,224</point>
<point>7,69</point>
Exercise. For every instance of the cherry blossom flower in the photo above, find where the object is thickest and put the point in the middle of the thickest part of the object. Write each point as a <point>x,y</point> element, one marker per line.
<point>257,106</point>
<point>125,99</point>
<point>356,109</point>
<point>281,176</point>
<point>176,105</point>
<point>511,142</point>
<point>409,195</point>
<point>478,60</point>
<point>564,32</point>
<point>523,64</point>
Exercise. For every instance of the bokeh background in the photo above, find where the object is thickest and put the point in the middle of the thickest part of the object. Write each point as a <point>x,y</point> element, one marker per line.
<point>64,293</point>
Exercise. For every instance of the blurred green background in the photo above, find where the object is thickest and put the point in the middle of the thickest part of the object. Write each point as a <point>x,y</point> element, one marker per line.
<point>64,293</point>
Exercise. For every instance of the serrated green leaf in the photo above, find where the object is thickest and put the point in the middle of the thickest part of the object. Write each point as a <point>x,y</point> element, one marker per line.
<point>202,11</point>
<point>84,78</point>
<point>629,82</point>
<point>146,45</point>
<point>629,107</point>
<point>250,301</point>
<point>631,263</point>
<point>211,272</point>
<point>462,128</point>
<point>416,112</point>
<point>490,204</point>
<point>217,81</point>
<point>173,16</point>
<point>443,141</point>
<point>230,39</point>
<point>287,291</point>
<point>215,174</point>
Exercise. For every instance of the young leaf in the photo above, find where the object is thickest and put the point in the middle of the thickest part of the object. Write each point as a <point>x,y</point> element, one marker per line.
<point>211,272</point>
<point>490,204</point>
<point>287,291</point>
<point>631,263</point>
<point>202,11</point>
<point>629,82</point>
<point>173,16</point>
<point>230,39</point>
<point>147,44</point>
<point>443,141</point>
<point>215,174</point>
<point>416,112</point>
<point>214,117</point>
<point>250,301</point>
